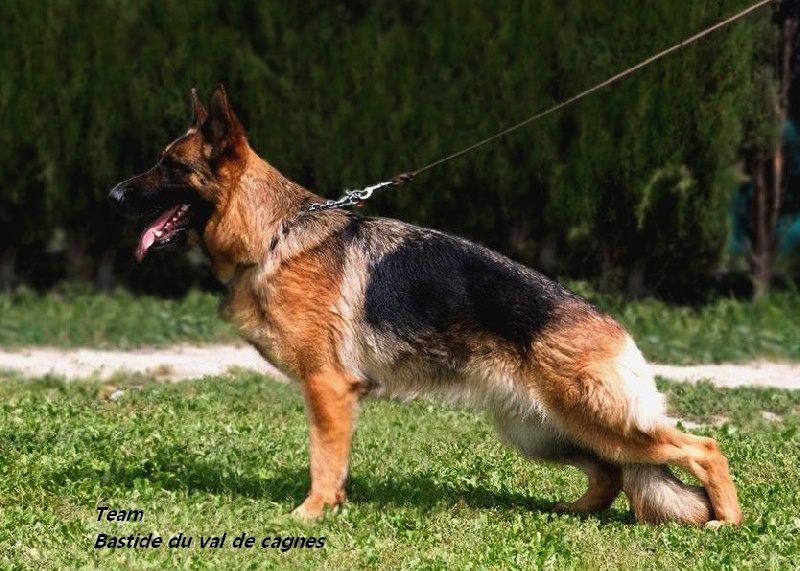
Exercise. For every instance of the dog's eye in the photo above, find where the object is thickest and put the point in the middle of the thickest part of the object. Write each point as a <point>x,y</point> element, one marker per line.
<point>175,166</point>
<point>174,172</point>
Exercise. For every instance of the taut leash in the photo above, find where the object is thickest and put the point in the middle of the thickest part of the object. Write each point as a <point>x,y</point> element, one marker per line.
<point>357,197</point>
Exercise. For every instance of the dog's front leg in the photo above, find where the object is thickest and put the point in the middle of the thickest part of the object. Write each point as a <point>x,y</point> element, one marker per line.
<point>331,402</point>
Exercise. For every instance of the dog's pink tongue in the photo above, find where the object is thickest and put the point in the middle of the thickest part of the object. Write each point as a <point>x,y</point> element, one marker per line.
<point>147,239</point>
<point>149,235</point>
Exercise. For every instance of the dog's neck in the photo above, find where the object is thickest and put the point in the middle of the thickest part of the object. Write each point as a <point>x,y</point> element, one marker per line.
<point>256,217</point>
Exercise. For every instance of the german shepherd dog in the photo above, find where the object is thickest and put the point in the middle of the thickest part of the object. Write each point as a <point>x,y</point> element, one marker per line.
<point>348,305</point>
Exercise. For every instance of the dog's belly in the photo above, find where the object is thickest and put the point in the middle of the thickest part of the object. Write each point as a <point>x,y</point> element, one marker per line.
<point>486,383</point>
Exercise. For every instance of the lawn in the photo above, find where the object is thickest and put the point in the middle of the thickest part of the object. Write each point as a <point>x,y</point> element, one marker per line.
<point>431,489</point>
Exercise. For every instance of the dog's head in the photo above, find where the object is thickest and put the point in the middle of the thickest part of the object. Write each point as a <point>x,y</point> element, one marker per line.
<point>191,178</point>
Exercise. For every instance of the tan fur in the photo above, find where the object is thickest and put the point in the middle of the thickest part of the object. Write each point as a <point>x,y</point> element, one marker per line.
<point>605,483</point>
<point>331,400</point>
<point>577,371</point>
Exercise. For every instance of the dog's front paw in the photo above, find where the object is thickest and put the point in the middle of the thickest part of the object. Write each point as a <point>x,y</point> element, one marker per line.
<point>564,507</point>
<point>314,508</point>
<point>716,524</point>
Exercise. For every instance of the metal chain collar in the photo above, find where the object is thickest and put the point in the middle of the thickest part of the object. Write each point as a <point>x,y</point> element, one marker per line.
<point>358,197</point>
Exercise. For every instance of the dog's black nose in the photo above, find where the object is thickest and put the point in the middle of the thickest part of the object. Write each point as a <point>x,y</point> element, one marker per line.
<point>117,194</point>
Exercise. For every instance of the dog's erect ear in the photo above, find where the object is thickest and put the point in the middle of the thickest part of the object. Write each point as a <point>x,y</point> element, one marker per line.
<point>222,128</point>
<point>199,113</point>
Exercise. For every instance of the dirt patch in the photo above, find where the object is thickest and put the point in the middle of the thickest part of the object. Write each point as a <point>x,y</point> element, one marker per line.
<point>758,374</point>
<point>173,363</point>
<point>189,362</point>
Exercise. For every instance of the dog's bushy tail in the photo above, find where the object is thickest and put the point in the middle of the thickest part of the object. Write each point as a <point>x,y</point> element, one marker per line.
<point>656,496</point>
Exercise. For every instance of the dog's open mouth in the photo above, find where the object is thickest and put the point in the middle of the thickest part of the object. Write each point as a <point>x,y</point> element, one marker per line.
<point>165,229</point>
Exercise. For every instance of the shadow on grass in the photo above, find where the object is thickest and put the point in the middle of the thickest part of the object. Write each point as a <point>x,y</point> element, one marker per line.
<point>171,469</point>
<point>420,490</point>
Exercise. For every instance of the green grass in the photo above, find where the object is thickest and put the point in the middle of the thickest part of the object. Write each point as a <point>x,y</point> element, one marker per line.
<point>432,488</point>
<point>722,331</point>
<point>76,318</point>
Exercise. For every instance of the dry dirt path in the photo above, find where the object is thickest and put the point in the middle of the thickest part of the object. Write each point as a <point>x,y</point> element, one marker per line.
<point>187,362</point>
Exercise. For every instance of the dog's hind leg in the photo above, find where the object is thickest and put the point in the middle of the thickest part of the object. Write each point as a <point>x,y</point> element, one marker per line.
<point>700,456</point>
<point>657,496</point>
<point>537,441</point>
<point>605,484</point>
<point>612,407</point>
<point>331,404</point>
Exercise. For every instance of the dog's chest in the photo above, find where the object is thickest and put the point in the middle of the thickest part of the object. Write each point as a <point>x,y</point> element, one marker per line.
<point>249,311</point>
<point>287,319</point>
